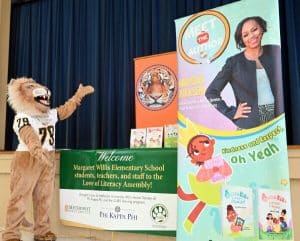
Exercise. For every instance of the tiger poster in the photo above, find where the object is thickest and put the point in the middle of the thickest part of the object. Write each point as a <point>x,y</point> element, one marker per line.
<point>156,90</point>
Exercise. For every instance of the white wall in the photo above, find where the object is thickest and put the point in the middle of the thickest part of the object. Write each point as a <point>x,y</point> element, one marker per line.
<point>5,6</point>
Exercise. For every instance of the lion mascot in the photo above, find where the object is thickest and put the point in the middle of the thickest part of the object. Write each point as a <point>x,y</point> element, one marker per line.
<point>33,165</point>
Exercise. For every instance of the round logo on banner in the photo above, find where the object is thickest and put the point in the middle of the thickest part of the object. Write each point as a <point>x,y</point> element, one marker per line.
<point>156,87</point>
<point>204,37</point>
<point>159,213</point>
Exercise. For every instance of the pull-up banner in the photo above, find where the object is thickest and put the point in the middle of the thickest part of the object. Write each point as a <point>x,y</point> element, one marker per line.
<point>233,179</point>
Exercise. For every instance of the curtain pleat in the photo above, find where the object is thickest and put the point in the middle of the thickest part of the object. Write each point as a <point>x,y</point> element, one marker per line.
<point>64,43</point>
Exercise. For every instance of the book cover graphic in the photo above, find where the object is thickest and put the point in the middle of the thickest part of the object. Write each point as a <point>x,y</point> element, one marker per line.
<point>154,137</point>
<point>138,138</point>
<point>170,135</point>
<point>275,215</point>
<point>237,211</point>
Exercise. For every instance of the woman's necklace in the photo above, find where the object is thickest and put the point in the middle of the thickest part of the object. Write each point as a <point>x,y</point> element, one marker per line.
<point>254,56</point>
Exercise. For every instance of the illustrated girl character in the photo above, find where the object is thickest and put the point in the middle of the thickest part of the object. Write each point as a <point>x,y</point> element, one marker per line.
<point>206,184</point>
<point>232,219</point>
<point>276,225</point>
<point>269,224</point>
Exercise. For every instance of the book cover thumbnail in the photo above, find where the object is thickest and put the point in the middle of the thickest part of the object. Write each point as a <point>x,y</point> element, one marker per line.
<point>275,215</point>
<point>170,135</point>
<point>154,137</point>
<point>138,138</point>
<point>237,211</point>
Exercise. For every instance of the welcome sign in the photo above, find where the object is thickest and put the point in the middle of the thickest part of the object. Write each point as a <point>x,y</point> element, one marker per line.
<point>133,190</point>
<point>233,179</point>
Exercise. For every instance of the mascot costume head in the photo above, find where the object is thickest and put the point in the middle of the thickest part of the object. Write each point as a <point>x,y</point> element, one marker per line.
<point>27,96</point>
<point>33,166</point>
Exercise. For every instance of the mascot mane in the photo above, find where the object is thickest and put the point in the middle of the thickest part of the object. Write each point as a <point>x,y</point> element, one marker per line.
<point>27,96</point>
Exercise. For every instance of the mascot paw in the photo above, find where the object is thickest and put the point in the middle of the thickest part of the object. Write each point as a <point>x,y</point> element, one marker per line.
<point>43,157</point>
<point>49,236</point>
<point>85,90</point>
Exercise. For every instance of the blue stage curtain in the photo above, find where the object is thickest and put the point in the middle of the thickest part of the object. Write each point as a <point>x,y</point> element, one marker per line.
<point>290,46</point>
<point>64,43</point>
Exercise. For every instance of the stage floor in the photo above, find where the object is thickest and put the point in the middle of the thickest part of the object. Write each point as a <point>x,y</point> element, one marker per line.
<point>28,236</point>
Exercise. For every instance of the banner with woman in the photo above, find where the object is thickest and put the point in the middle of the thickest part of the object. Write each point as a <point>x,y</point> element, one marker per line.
<point>233,178</point>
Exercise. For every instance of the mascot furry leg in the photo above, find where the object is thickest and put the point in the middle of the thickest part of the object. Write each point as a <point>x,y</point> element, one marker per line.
<point>33,166</point>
